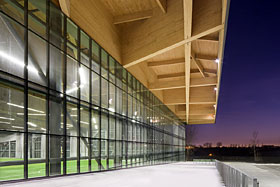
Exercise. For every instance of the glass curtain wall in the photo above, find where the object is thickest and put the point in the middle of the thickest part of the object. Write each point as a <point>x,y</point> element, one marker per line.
<point>67,106</point>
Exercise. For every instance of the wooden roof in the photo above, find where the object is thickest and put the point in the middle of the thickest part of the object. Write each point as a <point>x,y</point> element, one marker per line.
<point>174,47</point>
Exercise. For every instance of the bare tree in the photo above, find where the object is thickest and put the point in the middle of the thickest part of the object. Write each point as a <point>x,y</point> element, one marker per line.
<point>255,142</point>
<point>191,132</point>
<point>219,144</point>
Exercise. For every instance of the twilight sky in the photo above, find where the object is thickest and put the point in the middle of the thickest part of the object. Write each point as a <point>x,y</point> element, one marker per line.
<point>250,87</point>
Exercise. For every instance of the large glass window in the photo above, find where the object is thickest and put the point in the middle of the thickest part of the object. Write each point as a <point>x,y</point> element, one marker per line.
<point>84,111</point>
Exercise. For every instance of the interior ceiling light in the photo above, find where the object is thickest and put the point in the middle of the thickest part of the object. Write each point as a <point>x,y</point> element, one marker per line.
<point>32,124</point>
<point>12,119</point>
<point>31,109</point>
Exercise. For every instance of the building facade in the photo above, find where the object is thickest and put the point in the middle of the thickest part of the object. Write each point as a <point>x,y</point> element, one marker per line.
<point>67,106</point>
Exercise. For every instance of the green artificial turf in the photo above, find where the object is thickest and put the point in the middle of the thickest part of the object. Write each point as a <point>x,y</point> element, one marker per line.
<point>39,170</point>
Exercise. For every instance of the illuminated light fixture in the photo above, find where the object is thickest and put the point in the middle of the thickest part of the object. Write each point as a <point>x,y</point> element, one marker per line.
<point>83,122</point>
<point>135,113</point>
<point>73,115</point>
<point>214,106</point>
<point>215,88</point>
<point>21,114</point>
<point>17,62</point>
<point>94,120</point>
<point>76,108</point>
<point>5,122</point>
<point>69,125</point>
<point>133,121</point>
<point>95,126</point>
<point>217,60</point>
<point>110,101</point>
<point>31,109</point>
<point>43,129</point>
<point>32,124</point>
<point>12,119</point>
<point>111,109</point>
<point>17,127</point>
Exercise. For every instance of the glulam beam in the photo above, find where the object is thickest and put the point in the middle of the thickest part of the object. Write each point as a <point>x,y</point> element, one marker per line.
<point>162,5</point>
<point>133,17</point>
<point>166,62</point>
<point>65,7</point>
<point>141,58</point>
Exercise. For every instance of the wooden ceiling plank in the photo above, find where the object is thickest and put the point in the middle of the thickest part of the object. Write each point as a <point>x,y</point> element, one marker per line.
<point>162,5</point>
<point>65,7</point>
<point>178,44</point>
<point>174,97</point>
<point>166,62</point>
<point>133,17</point>
<point>165,85</point>
<point>208,81</point>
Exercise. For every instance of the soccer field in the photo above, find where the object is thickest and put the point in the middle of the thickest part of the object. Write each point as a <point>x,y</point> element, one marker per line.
<point>39,170</point>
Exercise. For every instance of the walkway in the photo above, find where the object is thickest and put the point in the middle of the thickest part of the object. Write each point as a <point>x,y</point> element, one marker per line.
<point>169,175</point>
<point>268,175</point>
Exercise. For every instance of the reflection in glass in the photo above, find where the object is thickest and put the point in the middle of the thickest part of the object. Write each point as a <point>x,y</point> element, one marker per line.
<point>95,89</point>
<point>72,116</point>
<point>71,155</point>
<point>11,107</point>
<point>95,124</point>
<point>12,46</point>
<point>56,26</point>
<point>84,121</point>
<point>104,125</point>
<point>11,150</point>
<point>84,83</point>
<point>37,16</point>
<point>84,48</point>
<point>104,93</point>
<point>36,151</point>
<point>84,155</point>
<point>104,64</point>
<point>56,69</point>
<point>37,59</point>
<point>72,77</point>
<point>36,112</point>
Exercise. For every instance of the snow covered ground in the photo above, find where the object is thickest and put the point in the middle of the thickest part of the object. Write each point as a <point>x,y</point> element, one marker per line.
<point>180,174</point>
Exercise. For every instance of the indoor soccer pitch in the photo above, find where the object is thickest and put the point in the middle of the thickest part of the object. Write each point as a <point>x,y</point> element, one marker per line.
<point>39,169</point>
